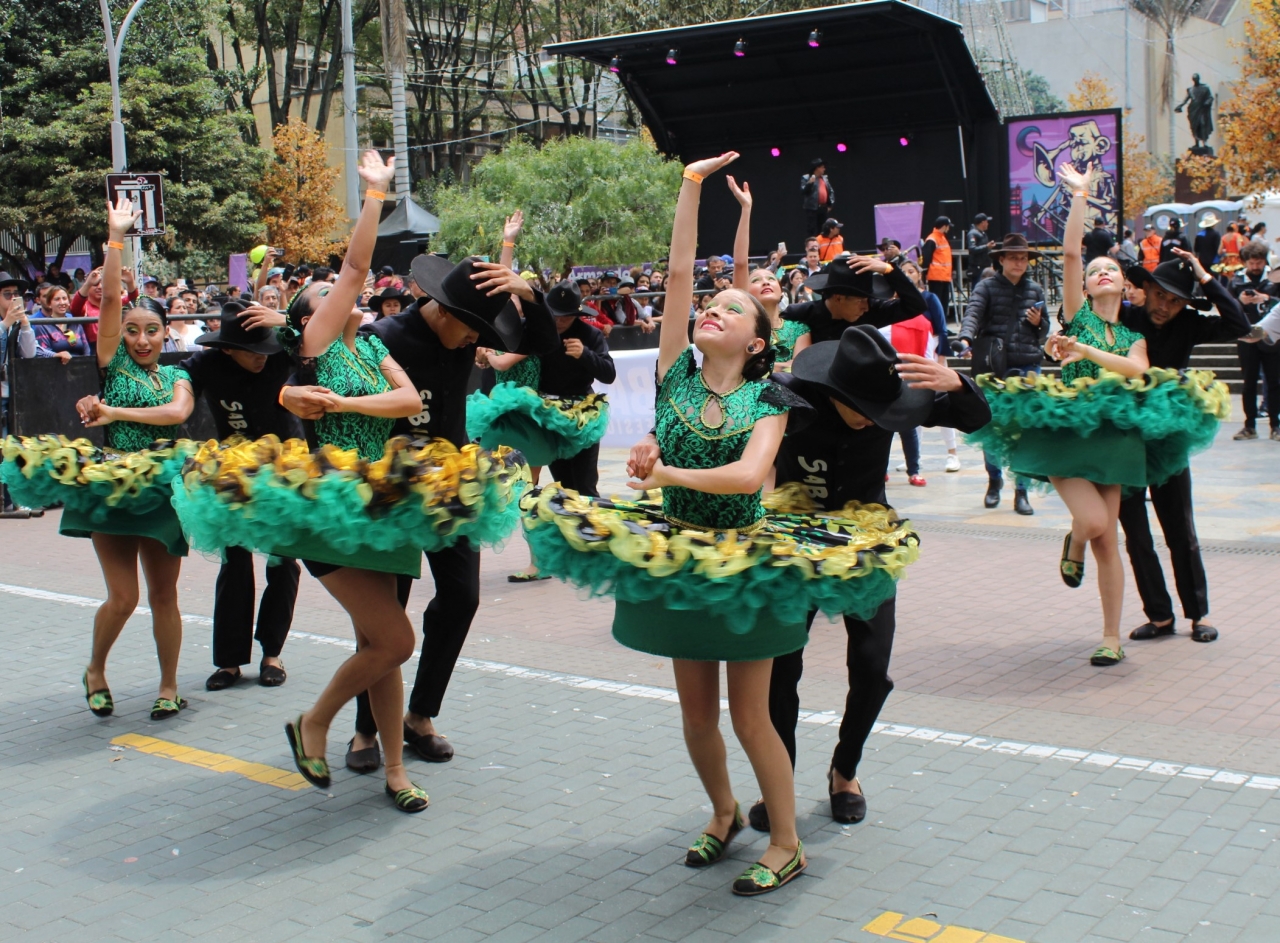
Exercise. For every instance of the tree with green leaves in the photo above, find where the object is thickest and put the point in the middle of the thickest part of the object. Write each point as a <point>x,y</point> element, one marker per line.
<point>585,202</point>
<point>1043,101</point>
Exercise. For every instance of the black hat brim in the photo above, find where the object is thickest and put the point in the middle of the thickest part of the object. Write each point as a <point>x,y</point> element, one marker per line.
<point>268,347</point>
<point>12,281</point>
<point>1200,304</point>
<point>909,409</point>
<point>504,333</point>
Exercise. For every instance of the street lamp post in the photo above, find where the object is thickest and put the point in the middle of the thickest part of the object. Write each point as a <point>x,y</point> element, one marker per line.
<point>119,157</point>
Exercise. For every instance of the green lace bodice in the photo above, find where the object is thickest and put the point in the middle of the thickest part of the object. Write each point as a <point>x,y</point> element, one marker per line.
<point>784,339</point>
<point>127,384</point>
<point>686,441</point>
<point>357,374</point>
<point>1090,329</point>
<point>526,373</point>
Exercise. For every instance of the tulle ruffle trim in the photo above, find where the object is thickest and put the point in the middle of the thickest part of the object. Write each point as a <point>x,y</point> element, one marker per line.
<point>580,423</point>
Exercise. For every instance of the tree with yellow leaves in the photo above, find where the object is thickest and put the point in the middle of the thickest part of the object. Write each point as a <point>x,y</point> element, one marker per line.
<point>1147,181</point>
<point>296,196</point>
<point>1251,108</point>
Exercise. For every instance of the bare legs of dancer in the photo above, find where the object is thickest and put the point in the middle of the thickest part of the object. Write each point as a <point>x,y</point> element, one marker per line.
<point>1095,509</point>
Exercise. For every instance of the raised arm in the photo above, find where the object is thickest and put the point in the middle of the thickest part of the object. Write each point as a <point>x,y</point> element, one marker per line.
<point>120,219</point>
<point>684,246</point>
<point>1072,239</point>
<point>332,310</point>
<point>742,240</point>
<point>510,233</point>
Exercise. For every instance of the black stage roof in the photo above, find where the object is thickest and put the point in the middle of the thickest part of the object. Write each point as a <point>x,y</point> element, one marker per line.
<point>881,67</point>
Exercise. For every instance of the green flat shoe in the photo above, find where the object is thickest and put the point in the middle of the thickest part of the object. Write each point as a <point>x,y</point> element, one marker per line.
<point>411,800</point>
<point>313,770</point>
<point>100,702</point>
<point>1105,657</point>
<point>1072,572</point>
<point>761,879</point>
<point>164,708</point>
<point>708,849</point>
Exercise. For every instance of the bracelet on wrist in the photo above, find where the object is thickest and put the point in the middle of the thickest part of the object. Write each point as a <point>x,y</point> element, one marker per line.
<point>1079,193</point>
<point>375,194</point>
<point>111,244</point>
<point>695,177</point>
<point>508,245</point>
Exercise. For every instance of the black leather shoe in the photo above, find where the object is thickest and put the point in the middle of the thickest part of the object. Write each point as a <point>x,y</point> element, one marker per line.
<point>759,817</point>
<point>1149,630</point>
<point>1203,633</point>
<point>222,679</point>
<point>271,676</point>
<point>363,761</point>
<point>992,500</point>
<point>432,748</point>
<point>845,806</point>
<point>1021,504</point>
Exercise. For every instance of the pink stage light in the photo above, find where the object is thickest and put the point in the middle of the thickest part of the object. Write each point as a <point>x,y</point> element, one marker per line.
<point>904,141</point>
<point>815,39</point>
<point>842,147</point>
<point>775,152</point>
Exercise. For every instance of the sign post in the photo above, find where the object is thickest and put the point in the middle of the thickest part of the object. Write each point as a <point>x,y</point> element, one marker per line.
<point>146,192</point>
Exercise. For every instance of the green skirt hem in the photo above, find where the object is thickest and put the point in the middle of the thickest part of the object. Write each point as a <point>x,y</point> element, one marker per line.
<point>705,635</point>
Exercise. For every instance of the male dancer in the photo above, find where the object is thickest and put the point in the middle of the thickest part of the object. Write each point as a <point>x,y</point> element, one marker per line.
<point>850,293</point>
<point>240,374</point>
<point>434,340</point>
<point>1173,322</point>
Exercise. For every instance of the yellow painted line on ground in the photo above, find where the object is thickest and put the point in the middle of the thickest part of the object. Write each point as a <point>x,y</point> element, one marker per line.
<point>218,762</point>
<point>919,930</point>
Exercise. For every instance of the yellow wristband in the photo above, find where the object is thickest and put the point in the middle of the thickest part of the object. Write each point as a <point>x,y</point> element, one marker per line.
<point>116,245</point>
<point>690,175</point>
<point>508,245</point>
<point>280,395</point>
<point>375,194</point>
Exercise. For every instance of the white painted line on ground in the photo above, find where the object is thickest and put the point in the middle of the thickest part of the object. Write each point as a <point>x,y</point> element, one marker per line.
<point>1036,751</point>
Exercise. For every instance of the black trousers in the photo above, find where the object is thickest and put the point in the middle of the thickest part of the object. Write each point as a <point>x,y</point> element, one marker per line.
<point>1172,502</point>
<point>580,472</point>
<point>870,646</point>
<point>445,624</point>
<point>814,220</point>
<point>943,291</point>
<point>234,593</point>
<point>1253,356</point>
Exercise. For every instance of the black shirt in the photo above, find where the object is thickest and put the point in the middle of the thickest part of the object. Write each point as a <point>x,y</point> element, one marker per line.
<point>1170,346</point>
<point>837,464</point>
<point>1169,243</point>
<point>563,375</point>
<point>1243,282</point>
<point>881,312</point>
<point>1097,242</point>
<point>243,403</point>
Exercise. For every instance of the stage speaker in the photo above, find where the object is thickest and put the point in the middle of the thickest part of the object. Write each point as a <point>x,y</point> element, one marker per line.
<point>954,211</point>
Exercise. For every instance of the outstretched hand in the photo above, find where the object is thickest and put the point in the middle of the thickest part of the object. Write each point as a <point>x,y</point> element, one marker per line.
<point>120,218</point>
<point>375,171</point>
<point>257,315</point>
<point>1073,179</point>
<point>493,278</point>
<point>869,263</point>
<point>709,165</point>
<point>741,193</point>
<point>514,225</point>
<point>925,374</point>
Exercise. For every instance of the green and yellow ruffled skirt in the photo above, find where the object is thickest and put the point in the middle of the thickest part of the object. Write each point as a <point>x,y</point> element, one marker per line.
<point>720,595</point>
<point>544,428</point>
<point>333,507</point>
<point>1110,430</point>
<point>101,491</point>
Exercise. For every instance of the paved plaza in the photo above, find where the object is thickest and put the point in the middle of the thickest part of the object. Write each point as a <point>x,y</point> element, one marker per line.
<point>1016,793</point>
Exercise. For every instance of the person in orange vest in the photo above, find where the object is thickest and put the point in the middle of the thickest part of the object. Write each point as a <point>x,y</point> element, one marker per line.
<point>936,261</point>
<point>1150,248</point>
<point>831,241</point>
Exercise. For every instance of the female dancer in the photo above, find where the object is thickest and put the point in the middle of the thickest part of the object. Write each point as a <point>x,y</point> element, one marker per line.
<point>762,284</point>
<point>708,577</point>
<point>121,502</point>
<point>1104,426</point>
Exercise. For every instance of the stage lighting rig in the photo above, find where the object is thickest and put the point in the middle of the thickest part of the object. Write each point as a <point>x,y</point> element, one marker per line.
<point>815,38</point>
<point>615,65</point>
<point>740,48</point>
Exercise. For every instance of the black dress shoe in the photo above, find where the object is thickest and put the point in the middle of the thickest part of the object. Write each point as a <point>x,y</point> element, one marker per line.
<point>271,676</point>
<point>222,679</point>
<point>363,761</point>
<point>845,806</point>
<point>1021,504</point>
<point>992,499</point>
<point>1149,630</point>
<point>1204,633</point>
<point>432,748</point>
<point>759,817</point>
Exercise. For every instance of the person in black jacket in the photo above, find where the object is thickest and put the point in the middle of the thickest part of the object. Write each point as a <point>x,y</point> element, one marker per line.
<point>817,195</point>
<point>239,374</point>
<point>850,292</point>
<point>1173,322</point>
<point>1257,295</point>
<point>1006,326</point>
<point>1173,239</point>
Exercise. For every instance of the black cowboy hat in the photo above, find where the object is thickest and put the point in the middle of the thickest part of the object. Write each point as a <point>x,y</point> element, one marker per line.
<point>6,280</point>
<point>860,370</point>
<point>1178,278</point>
<point>494,318</point>
<point>816,163</point>
<point>1014,242</point>
<point>231,333</point>
<point>837,278</point>
<point>564,300</point>
<point>387,294</point>
<point>1137,276</point>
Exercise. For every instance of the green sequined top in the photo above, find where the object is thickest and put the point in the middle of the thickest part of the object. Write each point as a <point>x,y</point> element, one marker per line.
<point>686,441</point>
<point>784,339</point>
<point>129,385</point>
<point>358,374</point>
<point>1090,329</point>
<point>526,373</point>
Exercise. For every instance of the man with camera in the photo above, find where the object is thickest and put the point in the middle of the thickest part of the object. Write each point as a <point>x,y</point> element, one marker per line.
<point>1257,295</point>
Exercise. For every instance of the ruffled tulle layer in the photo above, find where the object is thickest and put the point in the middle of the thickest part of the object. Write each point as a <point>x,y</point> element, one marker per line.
<point>549,428</point>
<point>98,484</point>
<point>1099,422</point>
<point>797,561</point>
<point>268,495</point>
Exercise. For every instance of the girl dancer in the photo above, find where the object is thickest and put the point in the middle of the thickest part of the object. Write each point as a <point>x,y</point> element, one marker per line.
<point>119,497</point>
<point>1105,426</point>
<point>709,577</point>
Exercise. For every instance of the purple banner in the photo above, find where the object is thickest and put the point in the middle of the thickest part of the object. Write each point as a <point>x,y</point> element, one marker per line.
<point>900,221</point>
<point>238,271</point>
<point>1038,145</point>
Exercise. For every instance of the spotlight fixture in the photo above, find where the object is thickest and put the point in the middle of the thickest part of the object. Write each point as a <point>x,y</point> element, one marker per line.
<point>671,55</point>
<point>740,48</point>
<point>775,152</point>
<point>905,140</point>
<point>842,147</point>
<point>615,64</point>
<point>815,38</point>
